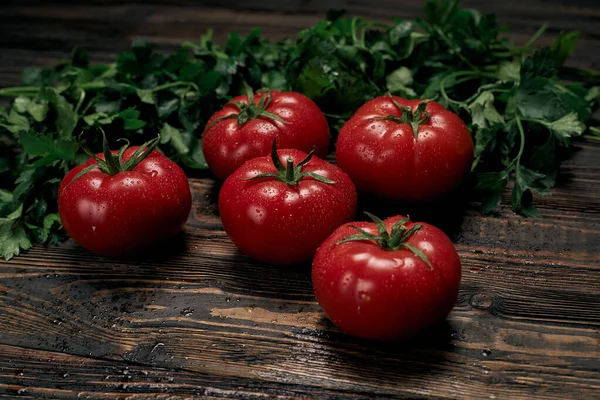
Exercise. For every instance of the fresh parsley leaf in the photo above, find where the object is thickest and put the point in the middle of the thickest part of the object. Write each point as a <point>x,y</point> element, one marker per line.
<point>564,45</point>
<point>509,71</point>
<point>527,181</point>
<point>567,126</point>
<point>275,80</point>
<point>146,95</point>
<point>6,200</point>
<point>168,134</point>
<point>106,105</point>
<point>13,238</point>
<point>541,98</point>
<point>484,112</point>
<point>195,158</point>
<point>398,82</point>
<point>167,102</point>
<point>17,122</point>
<point>540,64</point>
<point>66,119</point>
<point>593,94</point>
<point>52,150</point>
<point>130,117</point>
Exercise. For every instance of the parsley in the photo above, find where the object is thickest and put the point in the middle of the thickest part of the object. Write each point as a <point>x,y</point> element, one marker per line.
<point>522,116</point>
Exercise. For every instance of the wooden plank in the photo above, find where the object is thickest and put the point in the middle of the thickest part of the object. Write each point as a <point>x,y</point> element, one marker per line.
<point>523,326</point>
<point>490,346</point>
<point>28,373</point>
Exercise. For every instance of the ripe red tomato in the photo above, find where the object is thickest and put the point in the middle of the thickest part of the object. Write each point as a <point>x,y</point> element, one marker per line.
<point>240,132</point>
<point>407,150</point>
<point>120,213</point>
<point>280,214</point>
<point>389,281</point>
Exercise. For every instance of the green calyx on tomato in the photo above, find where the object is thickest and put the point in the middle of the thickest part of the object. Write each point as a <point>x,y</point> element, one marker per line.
<point>252,111</point>
<point>394,240</point>
<point>113,162</point>
<point>290,174</point>
<point>410,117</point>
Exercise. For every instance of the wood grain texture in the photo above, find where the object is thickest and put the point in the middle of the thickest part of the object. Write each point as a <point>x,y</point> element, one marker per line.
<point>201,320</point>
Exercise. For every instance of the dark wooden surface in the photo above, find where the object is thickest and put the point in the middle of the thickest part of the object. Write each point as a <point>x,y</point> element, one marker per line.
<point>204,321</point>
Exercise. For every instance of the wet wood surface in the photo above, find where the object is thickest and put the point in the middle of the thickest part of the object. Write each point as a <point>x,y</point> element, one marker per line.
<point>201,320</point>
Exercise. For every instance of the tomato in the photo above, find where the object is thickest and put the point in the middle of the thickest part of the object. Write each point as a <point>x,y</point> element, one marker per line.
<point>406,150</point>
<point>240,132</point>
<point>114,209</point>
<point>280,214</point>
<point>386,280</point>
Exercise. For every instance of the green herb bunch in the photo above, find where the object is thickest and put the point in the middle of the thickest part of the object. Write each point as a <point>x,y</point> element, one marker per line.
<point>522,117</point>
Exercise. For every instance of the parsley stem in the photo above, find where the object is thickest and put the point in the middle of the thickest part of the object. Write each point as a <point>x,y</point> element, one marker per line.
<point>470,75</point>
<point>522,137</point>
<point>19,91</point>
<point>79,102</point>
<point>173,84</point>
<point>353,30</point>
<point>33,90</point>
<point>536,35</point>
<point>93,85</point>
<point>490,87</point>
<point>87,107</point>
<point>455,50</point>
<point>581,72</point>
<point>595,133</point>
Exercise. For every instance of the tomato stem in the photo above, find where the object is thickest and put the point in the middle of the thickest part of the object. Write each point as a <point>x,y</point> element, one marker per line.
<point>407,116</point>
<point>112,163</point>
<point>290,174</point>
<point>394,240</point>
<point>289,170</point>
<point>250,110</point>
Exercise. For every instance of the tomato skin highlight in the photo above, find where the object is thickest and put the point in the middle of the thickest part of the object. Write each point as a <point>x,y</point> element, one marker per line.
<point>379,294</point>
<point>283,224</point>
<point>227,145</point>
<point>384,159</point>
<point>126,212</point>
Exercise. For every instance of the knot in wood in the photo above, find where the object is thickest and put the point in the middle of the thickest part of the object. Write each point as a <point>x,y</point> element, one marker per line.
<point>481,301</point>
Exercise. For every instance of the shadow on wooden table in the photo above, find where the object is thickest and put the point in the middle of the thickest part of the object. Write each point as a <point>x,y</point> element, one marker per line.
<point>445,213</point>
<point>417,355</point>
<point>163,251</point>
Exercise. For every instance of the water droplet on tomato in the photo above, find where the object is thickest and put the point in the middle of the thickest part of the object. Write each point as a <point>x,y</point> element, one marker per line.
<point>93,229</point>
<point>364,296</point>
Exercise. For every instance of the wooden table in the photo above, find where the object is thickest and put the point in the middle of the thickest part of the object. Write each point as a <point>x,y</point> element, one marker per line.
<point>206,321</point>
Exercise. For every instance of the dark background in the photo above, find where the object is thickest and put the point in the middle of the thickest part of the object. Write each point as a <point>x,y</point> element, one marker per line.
<point>36,33</point>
